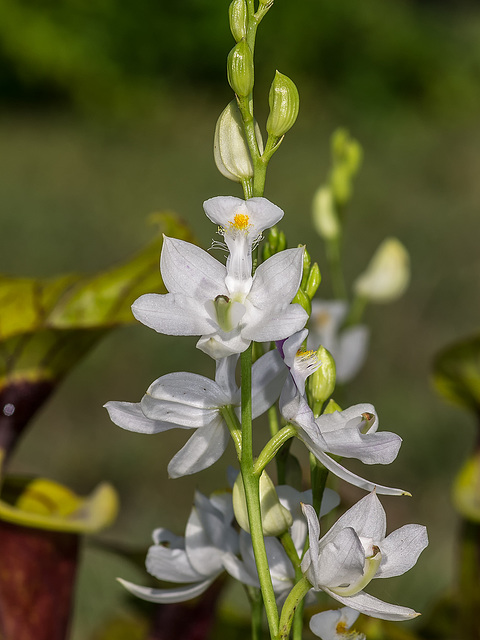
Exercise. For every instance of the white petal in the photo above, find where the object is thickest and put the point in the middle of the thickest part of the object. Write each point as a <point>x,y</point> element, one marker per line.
<point>176,413</point>
<point>173,314</point>
<point>203,449</point>
<point>202,552</point>
<point>166,596</point>
<point>268,376</point>
<point>225,377</point>
<point>291,346</point>
<point>371,606</point>
<point>171,565</point>
<point>276,280</point>
<point>189,389</point>
<point>375,448</point>
<point>367,517</point>
<point>341,560</point>
<point>238,570</point>
<point>400,550</point>
<point>353,416</point>
<point>191,271</point>
<point>219,344</point>
<point>130,416</point>
<point>262,213</point>
<point>348,476</point>
<point>324,624</point>
<point>310,559</point>
<point>352,352</point>
<point>274,323</point>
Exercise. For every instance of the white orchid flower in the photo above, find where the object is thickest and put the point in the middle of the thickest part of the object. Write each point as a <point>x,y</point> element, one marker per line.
<point>189,401</point>
<point>281,569</point>
<point>241,223</point>
<point>355,550</point>
<point>226,306</point>
<point>196,559</point>
<point>351,433</point>
<point>336,624</point>
<point>348,346</point>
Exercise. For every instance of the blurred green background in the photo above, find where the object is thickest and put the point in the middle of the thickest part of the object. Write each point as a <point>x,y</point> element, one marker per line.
<point>107,115</point>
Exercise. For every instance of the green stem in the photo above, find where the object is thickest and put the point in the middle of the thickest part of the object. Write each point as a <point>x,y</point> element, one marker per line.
<point>273,420</point>
<point>272,447</point>
<point>335,264</point>
<point>256,606</point>
<point>234,426</point>
<point>356,311</point>
<point>251,485</point>
<point>291,551</point>
<point>294,598</point>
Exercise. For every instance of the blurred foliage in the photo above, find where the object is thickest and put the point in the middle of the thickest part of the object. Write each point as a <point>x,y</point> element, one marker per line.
<point>118,56</point>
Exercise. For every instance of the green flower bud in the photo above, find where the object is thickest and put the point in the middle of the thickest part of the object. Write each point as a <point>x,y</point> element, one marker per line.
<point>388,274</point>
<point>466,489</point>
<point>240,69</point>
<point>325,219</point>
<point>237,13</point>
<point>341,184</point>
<point>284,103</point>
<point>306,266</point>
<point>282,242</point>
<point>276,242</point>
<point>321,383</point>
<point>302,299</point>
<point>230,148</point>
<point>276,519</point>
<point>313,280</point>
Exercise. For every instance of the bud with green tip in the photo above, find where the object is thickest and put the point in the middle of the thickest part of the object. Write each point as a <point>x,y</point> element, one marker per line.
<point>237,13</point>
<point>275,242</point>
<point>325,219</point>
<point>388,274</point>
<point>321,384</point>
<point>240,69</point>
<point>276,519</point>
<point>284,104</point>
<point>313,281</point>
<point>230,148</point>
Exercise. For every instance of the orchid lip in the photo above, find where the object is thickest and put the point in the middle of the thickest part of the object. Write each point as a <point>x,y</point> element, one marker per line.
<point>372,563</point>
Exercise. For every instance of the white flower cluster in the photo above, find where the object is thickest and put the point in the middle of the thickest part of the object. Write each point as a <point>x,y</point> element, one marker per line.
<point>228,308</point>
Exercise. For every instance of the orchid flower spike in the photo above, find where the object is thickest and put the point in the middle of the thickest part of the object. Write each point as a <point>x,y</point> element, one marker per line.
<point>336,625</point>
<point>184,400</point>
<point>355,550</point>
<point>227,306</point>
<point>348,346</point>
<point>196,559</point>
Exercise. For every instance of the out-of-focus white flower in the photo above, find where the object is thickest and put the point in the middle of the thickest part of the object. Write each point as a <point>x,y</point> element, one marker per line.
<point>281,569</point>
<point>185,400</point>
<point>348,346</point>
<point>387,275</point>
<point>200,302</point>
<point>196,559</point>
<point>336,624</point>
<point>355,550</point>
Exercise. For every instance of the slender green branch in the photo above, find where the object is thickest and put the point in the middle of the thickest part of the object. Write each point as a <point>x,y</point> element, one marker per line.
<point>235,428</point>
<point>256,606</point>
<point>273,420</point>
<point>294,558</point>
<point>294,598</point>
<point>272,447</point>
<point>251,486</point>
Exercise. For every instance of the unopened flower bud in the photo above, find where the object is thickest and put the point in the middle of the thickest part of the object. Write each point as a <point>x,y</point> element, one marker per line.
<point>313,280</point>
<point>325,219</point>
<point>303,300</point>
<point>322,381</point>
<point>240,69</point>
<point>466,489</point>
<point>230,148</point>
<point>284,103</point>
<point>276,519</point>
<point>237,13</point>
<point>388,274</point>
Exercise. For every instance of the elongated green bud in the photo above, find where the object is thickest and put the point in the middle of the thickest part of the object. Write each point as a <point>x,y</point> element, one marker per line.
<point>284,103</point>
<point>313,280</point>
<point>302,299</point>
<point>325,219</point>
<point>322,382</point>
<point>276,519</point>
<point>237,13</point>
<point>230,148</point>
<point>240,69</point>
<point>306,267</point>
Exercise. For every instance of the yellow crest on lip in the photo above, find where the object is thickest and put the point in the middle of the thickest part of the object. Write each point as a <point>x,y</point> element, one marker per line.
<point>241,221</point>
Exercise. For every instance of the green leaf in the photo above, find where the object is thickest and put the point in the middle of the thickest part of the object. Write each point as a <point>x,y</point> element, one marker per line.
<point>456,373</point>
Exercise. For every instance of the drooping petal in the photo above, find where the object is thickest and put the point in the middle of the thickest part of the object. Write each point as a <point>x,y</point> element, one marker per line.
<point>367,517</point>
<point>173,314</point>
<point>191,271</point>
<point>277,280</point>
<point>203,554</point>
<point>310,559</point>
<point>203,448</point>
<point>375,448</point>
<point>166,596</point>
<point>374,607</point>
<point>219,344</point>
<point>225,377</point>
<point>171,565</point>
<point>268,376</point>
<point>347,475</point>
<point>129,416</point>
<point>400,550</point>
<point>177,413</point>
<point>189,389</point>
